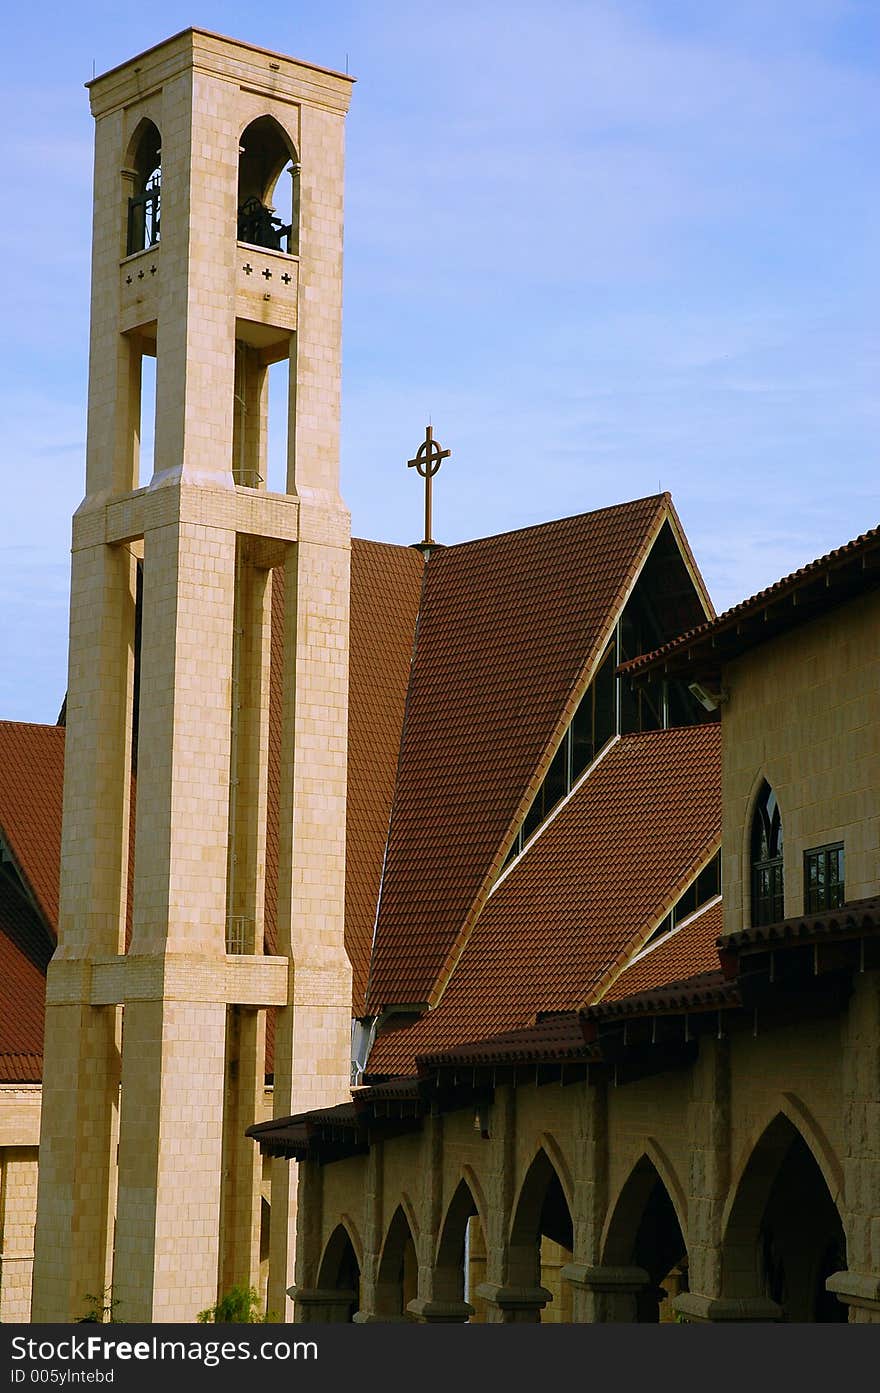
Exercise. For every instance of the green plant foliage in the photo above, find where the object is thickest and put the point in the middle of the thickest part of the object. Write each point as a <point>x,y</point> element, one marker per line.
<point>100,1310</point>
<point>239,1306</point>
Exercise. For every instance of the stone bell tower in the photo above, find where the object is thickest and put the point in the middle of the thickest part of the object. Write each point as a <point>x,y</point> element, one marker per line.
<point>154,1057</point>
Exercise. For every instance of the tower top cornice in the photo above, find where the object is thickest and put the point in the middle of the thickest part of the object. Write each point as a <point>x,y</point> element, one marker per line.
<point>277,74</point>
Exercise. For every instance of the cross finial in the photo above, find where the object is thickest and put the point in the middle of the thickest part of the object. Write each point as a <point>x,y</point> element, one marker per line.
<point>426,463</point>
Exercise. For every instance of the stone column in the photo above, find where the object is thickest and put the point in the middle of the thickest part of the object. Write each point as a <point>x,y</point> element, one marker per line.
<point>590,1152</point>
<point>708,1189</point>
<point>311,1303</point>
<point>509,1299</point>
<point>859,1286</point>
<point>174,1022</point>
<point>374,1220</point>
<point>434,1305</point>
<point>81,1056</point>
<point>245,906</point>
<point>313,1033</point>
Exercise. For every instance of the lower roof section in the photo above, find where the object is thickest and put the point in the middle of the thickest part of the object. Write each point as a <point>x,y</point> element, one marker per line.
<point>583,899</point>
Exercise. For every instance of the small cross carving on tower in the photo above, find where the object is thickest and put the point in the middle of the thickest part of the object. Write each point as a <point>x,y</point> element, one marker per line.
<point>427,461</point>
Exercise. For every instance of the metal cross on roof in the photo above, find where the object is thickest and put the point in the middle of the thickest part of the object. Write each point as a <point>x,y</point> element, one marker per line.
<point>427,462</point>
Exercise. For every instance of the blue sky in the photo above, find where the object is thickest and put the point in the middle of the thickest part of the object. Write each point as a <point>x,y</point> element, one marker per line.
<point>605,246</point>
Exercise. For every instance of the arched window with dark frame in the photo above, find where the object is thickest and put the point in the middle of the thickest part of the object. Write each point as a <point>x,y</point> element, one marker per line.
<point>767,859</point>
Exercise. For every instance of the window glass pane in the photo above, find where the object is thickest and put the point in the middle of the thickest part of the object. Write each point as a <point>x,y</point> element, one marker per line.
<point>606,694</point>
<point>708,880</point>
<point>534,816</point>
<point>629,708</point>
<point>687,903</point>
<point>823,879</point>
<point>650,714</point>
<point>556,781</point>
<point>582,734</point>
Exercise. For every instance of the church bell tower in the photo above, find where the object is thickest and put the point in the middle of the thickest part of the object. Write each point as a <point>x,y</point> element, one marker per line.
<point>217,249</point>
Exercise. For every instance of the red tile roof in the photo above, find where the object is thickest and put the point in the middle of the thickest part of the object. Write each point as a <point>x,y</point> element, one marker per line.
<point>31,784</point>
<point>703,992</point>
<point>853,920</point>
<point>386,587</point>
<point>683,953</point>
<point>587,893</point>
<point>25,949</point>
<point>555,1039</point>
<point>508,628</point>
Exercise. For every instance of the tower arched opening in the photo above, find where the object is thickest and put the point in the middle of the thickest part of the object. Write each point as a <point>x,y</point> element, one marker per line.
<point>145,176</point>
<point>268,211</point>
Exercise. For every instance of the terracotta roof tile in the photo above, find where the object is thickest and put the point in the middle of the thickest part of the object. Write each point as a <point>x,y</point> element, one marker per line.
<point>21,1068</point>
<point>31,784</point>
<point>683,953</point>
<point>852,920</point>
<point>588,891</point>
<point>557,1038</point>
<point>507,628</point>
<point>25,950</point>
<point>703,992</point>
<point>386,586</point>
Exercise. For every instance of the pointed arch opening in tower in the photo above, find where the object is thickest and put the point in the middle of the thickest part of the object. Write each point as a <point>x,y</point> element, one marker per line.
<point>145,173</point>
<point>268,187</point>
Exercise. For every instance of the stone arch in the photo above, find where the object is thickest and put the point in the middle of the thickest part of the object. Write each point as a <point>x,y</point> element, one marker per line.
<point>462,1228</point>
<point>646,1233</point>
<point>783,1232</point>
<point>144,146</point>
<point>265,148</point>
<point>790,1106</point>
<point>557,1158</point>
<point>398,1273</point>
<point>542,1217</point>
<point>339,1272</point>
